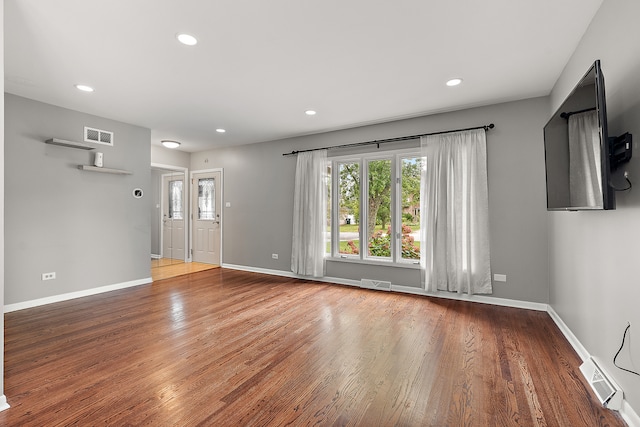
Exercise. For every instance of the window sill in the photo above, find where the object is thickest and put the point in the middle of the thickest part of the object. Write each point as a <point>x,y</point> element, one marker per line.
<point>375,262</point>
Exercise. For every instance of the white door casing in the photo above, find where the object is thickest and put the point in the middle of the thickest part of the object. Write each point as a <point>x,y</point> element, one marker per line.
<point>207,216</point>
<point>173,217</point>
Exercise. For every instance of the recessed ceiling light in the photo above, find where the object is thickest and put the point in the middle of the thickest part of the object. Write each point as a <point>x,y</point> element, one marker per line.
<point>187,39</point>
<point>170,144</point>
<point>310,113</point>
<point>84,88</point>
<point>454,82</point>
<point>220,130</point>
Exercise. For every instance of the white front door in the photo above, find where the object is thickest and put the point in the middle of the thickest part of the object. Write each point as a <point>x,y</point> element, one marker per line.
<point>206,210</point>
<point>173,216</point>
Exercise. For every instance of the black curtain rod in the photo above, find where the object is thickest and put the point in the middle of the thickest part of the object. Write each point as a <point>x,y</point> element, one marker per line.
<point>384,141</point>
<point>571,113</point>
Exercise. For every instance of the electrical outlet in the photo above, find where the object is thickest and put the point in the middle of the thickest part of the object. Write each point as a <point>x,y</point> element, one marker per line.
<point>49,276</point>
<point>500,277</point>
<point>274,256</point>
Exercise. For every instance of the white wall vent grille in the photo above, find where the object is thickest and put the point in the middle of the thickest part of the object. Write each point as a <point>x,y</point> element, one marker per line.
<point>98,136</point>
<point>609,394</point>
<point>375,284</point>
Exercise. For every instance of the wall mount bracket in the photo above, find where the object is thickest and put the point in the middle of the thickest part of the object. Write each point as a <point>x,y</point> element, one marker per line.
<point>620,150</point>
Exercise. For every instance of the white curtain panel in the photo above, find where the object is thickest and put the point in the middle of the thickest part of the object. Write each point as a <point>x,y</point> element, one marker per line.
<point>585,182</point>
<point>309,214</point>
<point>455,213</point>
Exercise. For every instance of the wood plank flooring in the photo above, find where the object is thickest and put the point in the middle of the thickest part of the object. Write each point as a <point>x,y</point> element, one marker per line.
<point>166,268</point>
<point>230,348</point>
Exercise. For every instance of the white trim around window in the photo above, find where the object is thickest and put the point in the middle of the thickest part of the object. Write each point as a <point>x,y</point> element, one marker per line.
<point>392,206</point>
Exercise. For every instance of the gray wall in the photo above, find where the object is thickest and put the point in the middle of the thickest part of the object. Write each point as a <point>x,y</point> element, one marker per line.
<point>594,256</point>
<point>258,182</point>
<point>85,226</point>
<point>168,157</point>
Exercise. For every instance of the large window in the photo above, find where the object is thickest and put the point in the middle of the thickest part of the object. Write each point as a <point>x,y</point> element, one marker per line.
<point>375,208</point>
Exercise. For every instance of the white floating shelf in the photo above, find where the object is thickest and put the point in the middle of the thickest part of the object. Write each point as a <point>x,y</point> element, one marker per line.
<point>104,170</point>
<point>69,144</point>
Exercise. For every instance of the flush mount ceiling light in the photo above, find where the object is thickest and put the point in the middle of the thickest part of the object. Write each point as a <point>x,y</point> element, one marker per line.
<point>170,144</point>
<point>310,113</point>
<point>220,130</point>
<point>187,39</point>
<point>454,82</point>
<point>84,88</point>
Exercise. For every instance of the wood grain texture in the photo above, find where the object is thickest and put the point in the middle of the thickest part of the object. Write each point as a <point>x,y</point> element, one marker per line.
<point>230,348</point>
<point>167,268</point>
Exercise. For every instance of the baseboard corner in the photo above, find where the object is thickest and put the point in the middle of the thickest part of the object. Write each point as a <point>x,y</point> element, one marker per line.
<point>3,403</point>
<point>573,340</point>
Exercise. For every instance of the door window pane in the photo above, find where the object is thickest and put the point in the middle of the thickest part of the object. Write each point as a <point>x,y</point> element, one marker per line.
<point>410,206</point>
<point>349,208</point>
<point>206,198</point>
<point>378,205</point>
<point>175,200</point>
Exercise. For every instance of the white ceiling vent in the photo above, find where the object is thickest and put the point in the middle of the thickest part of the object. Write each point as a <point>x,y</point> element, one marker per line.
<point>98,136</point>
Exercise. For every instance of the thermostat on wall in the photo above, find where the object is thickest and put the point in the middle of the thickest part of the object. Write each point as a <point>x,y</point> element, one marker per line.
<point>138,193</point>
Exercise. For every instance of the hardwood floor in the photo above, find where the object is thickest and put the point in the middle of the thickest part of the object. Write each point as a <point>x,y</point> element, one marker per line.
<point>230,348</point>
<point>166,268</point>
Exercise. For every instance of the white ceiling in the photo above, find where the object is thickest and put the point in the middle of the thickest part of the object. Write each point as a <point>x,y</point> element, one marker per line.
<point>260,64</point>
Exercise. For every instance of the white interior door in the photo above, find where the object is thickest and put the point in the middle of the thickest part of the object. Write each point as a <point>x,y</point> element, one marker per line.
<point>173,216</point>
<point>206,210</point>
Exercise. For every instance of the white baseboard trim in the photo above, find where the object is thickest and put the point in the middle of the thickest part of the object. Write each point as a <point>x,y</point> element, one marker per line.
<point>3,403</point>
<point>336,280</point>
<point>483,299</point>
<point>155,256</point>
<point>629,415</point>
<point>399,288</point>
<point>72,295</point>
<point>261,270</point>
<point>626,411</point>
<point>575,343</point>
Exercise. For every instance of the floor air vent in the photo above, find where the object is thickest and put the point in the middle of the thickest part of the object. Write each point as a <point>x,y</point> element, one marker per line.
<point>375,284</point>
<point>607,391</point>
<point>98,136</point>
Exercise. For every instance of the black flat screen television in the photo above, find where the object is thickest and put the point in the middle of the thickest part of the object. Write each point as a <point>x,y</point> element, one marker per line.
<point>577,148</point>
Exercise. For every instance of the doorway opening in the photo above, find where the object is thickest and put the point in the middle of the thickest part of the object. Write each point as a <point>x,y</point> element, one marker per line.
<point>172,221</point>
<point>206,214</point>
<point>169,218</point>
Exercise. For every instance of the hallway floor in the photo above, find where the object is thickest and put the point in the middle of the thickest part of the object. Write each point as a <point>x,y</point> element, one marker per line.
<point>166,268</point>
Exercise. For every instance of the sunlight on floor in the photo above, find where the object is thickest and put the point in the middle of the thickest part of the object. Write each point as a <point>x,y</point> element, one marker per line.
<point>165,268</point>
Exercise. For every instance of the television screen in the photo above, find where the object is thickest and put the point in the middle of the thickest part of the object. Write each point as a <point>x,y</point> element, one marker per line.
<point>577,149</point>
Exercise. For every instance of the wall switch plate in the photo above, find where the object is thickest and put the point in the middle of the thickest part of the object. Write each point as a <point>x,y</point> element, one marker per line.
<point>500,277</point>
<point>49,276</point>
<point>227,205</point>
<point>274,256</point>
